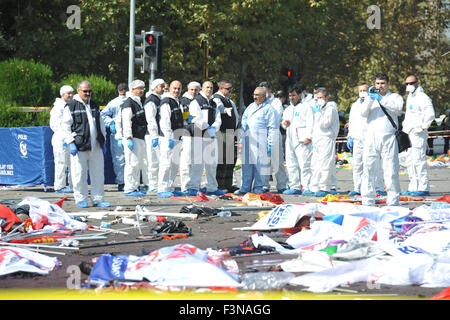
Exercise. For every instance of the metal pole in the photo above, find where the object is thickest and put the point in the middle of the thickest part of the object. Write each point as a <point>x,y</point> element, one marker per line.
<point>152,72</point>
<point>131,49</point>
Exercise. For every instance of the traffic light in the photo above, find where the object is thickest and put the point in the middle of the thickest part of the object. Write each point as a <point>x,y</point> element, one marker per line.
<point>291,76</point>
<point>150,44</point>
<point>153,48</point>
<point>141,59</point>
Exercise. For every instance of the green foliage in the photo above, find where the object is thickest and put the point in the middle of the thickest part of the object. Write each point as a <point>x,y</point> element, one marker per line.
<point>102,90</point>
<point>11,116</point>
<point>25,83</point>
<point>247,41</point>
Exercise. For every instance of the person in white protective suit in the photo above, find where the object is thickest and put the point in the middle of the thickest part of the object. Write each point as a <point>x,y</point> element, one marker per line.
<point>85,134</point>
<point>151,107</point>
<point>418,117</point>
<point>259,125</point>
<point>298,121</point>
<point>204,153</point>
<point>380,141</point>
<point>171,124</point>
<point>193,89</point>
<point>325,131</point>
<point>134,129</point>
<point>355,142</point>
<point>109,116</point>
<point>61,152</point>
<point>277,158</point>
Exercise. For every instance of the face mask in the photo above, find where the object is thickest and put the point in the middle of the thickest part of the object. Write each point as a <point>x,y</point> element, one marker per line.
<point>363,94</point>
<point>320,102</point>
<point>410,88</point>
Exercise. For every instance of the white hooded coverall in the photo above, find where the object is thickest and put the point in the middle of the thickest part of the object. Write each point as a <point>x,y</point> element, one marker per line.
<point>61,153</point>
<point>298,153</point>
<point>418,118</point>
<point>325,131</point>
<point>379,142</point>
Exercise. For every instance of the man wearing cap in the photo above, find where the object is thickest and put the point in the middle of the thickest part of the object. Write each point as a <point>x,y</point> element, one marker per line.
<point>85,134</point>
<point>227,138</point>
<point>134,129</point>
<point>193,89</point>
<point>151,107</point>
<point>61,152</point>
<point>109,116</point>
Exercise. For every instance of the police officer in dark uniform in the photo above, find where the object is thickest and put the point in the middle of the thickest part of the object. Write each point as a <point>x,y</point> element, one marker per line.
<point>227,138</point>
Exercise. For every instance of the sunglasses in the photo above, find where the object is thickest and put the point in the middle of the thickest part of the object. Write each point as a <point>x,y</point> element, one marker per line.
<point>414,82</point>
<point>229,88</point>
<point>87,91</point>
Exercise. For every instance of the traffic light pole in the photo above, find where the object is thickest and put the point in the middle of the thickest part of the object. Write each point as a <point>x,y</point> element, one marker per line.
<point>152,72</point>
<point>131,48</point>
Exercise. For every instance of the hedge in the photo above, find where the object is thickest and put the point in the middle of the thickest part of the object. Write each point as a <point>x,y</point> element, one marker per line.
<point>28,83</point>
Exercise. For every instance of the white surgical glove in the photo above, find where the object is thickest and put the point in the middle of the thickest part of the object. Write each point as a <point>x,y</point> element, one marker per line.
<point>228,111</point>
<point>417,130</point>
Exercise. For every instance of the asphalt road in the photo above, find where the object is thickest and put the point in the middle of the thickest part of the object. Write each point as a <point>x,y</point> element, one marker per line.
<point>207,232</point>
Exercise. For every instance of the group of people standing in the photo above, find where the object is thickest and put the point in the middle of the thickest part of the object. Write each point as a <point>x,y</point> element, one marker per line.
<point>156,135</point>
<point>152,136</point>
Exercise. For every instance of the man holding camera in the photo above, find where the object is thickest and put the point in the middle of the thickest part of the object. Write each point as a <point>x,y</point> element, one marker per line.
<point>380,141</point>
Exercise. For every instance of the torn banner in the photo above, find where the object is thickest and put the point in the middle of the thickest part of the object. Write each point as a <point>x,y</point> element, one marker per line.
<point>181,265</point>
<point>50,217</point>
<point>14,259</point>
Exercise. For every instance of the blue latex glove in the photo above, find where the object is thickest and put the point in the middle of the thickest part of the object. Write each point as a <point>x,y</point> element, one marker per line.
<point>73,149</point>
<point>155,142</point>
<point>316,109</point>
<point>112,127</point>
<point>212,132</point>
<point>171,144</point>
<point>374,95</point>
<point>190,118</point>
<point>350,143</point>
<point>120,143</point>
<point>130,144</point>
<point>64,144</point>
<point>269,149</point>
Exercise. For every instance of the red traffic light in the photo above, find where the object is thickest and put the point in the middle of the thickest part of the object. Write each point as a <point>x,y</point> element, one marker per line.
<point>289,73</point>
<point>150,39</point>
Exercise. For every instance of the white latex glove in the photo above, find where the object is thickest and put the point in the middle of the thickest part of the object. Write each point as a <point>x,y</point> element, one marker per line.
<point>228,111</point>
<point>417,130</point>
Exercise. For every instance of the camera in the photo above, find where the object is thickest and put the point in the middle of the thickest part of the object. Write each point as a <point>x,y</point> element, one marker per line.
<point>373,90</point>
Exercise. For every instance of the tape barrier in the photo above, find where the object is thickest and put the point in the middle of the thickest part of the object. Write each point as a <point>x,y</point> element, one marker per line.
<point>431,135</point>
<point>39,109</point>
